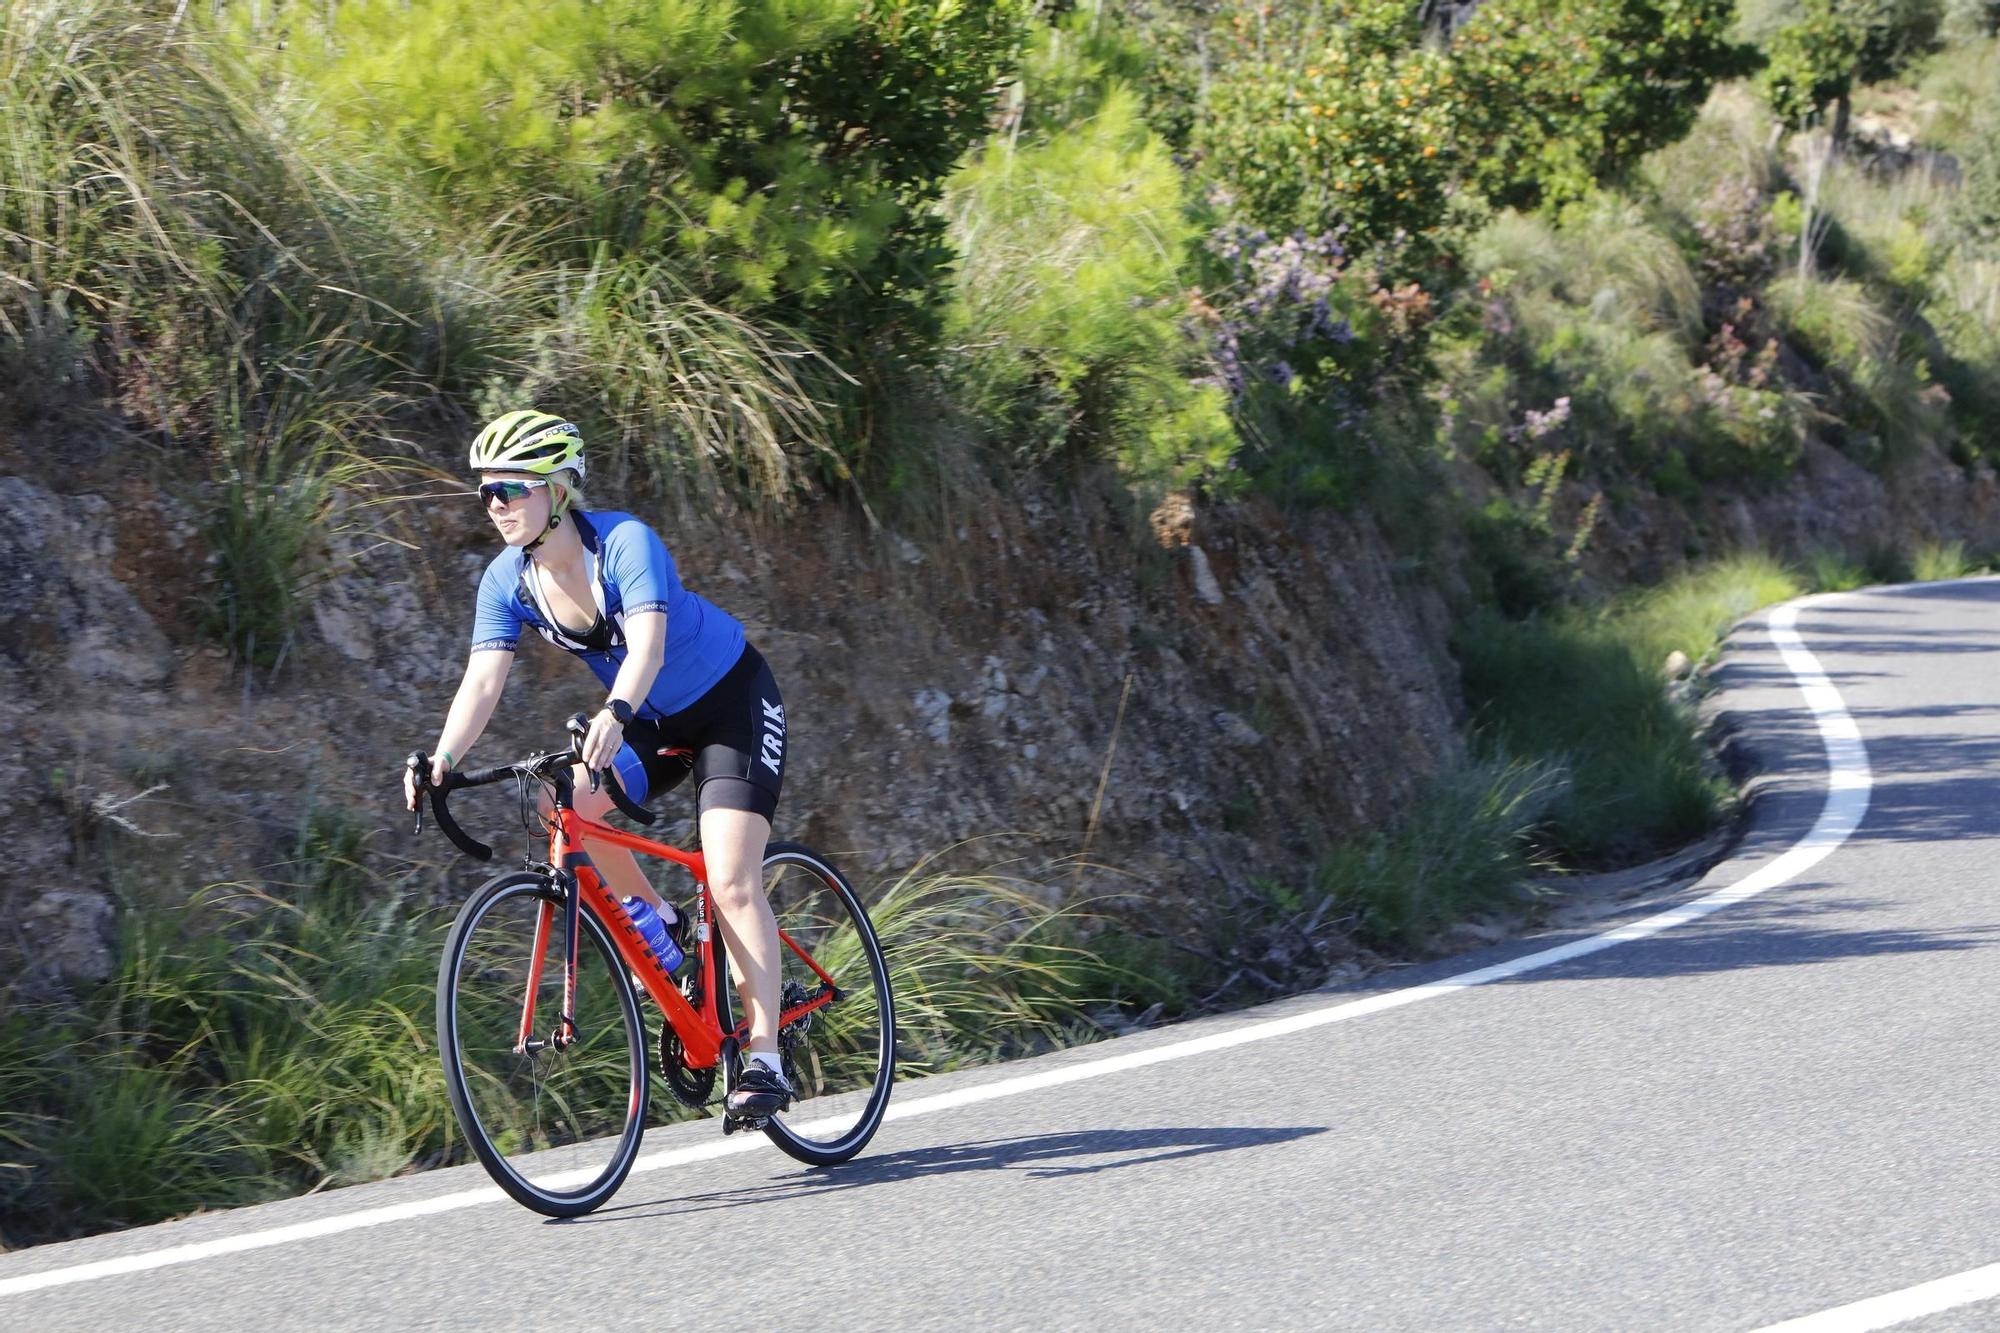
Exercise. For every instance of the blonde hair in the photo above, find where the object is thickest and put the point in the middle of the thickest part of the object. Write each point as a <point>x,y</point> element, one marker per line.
<point>572,485</point>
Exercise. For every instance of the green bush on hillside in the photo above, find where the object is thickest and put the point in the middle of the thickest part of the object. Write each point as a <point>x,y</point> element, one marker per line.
<point>147,211</point>
<point>1070,300</point>
<point>1354,120</point>
<point>1353,131</point>
<point>1601,311</point>
<point>1825,48</point>
<point>1584,690</point>
<point>1467,846</point>
<point>1562,95</point>
<point>1565,690</point>
<point>1969,20</point>
<point>1883,383</point>
<point>780,152</point>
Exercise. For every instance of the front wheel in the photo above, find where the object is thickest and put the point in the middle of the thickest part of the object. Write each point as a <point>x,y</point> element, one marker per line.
<point>839,1046</point>
<point>555,1117</point>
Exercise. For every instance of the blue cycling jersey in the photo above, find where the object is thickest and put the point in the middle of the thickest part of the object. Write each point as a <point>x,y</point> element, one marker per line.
<point>630,572</point>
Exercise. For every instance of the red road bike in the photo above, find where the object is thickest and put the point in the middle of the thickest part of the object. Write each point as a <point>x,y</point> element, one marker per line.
<point>545,1048</point>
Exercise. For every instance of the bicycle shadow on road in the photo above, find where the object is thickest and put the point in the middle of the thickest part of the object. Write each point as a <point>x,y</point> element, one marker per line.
<point>1038,1156</point>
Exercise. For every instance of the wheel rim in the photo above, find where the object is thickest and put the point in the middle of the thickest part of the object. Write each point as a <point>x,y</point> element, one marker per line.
<point>840,1057</point>
<point>562,1124</point>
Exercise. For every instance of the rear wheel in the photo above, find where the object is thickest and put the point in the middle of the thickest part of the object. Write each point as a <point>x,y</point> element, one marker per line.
<point>839,1047</point>
<point>556,1120</point>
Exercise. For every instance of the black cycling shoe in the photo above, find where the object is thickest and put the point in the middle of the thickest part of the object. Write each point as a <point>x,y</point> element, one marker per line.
<point>759,1094</point>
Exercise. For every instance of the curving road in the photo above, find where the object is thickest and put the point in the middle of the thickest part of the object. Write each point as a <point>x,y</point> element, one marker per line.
<point>1768,1097</point>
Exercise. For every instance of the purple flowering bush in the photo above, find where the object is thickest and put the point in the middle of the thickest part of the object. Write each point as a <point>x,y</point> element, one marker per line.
<point>1284,313</point>
<point>1305,342</point>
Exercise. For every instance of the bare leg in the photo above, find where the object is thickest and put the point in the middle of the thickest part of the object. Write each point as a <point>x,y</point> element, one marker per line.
<point>732,843</point>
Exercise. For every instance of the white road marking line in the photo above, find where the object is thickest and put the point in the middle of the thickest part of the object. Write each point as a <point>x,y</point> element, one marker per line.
<point>1848,784</point>
<point>1899,1307</point>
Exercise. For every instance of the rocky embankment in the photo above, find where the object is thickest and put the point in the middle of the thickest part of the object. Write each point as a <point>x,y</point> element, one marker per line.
<point>1246,686</point>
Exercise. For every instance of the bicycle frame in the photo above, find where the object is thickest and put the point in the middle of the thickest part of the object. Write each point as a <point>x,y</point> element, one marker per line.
<point>700,1030</point>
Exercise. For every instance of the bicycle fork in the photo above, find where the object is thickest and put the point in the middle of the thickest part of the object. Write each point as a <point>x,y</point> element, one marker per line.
<point>565,1034</point>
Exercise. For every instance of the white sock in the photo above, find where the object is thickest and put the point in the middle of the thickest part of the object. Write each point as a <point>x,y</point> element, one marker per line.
<point>768,1059</point>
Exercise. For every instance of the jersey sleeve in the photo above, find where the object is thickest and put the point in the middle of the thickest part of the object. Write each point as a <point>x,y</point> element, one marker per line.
<point>496,625</point>
<point>637,561</point>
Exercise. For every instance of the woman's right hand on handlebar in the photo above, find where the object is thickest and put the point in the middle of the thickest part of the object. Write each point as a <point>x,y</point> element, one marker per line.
<point>439,767</point>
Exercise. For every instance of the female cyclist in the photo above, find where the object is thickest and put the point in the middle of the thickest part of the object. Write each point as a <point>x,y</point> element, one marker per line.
<point>600,585</point>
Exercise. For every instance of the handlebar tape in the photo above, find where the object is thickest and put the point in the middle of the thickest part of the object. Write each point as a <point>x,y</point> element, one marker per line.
<point>440,794</point>
<point>628,807</point>
<point>468,844</point>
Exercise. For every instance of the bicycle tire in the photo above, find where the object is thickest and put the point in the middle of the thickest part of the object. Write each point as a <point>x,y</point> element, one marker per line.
<point>841,1059</point>
<point>553,1155</point>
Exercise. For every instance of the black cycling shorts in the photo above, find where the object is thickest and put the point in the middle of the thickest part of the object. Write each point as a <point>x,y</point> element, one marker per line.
<point>735,734</point>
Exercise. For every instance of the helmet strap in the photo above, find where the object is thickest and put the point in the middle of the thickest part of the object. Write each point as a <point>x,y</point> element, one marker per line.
<point>555,520</point>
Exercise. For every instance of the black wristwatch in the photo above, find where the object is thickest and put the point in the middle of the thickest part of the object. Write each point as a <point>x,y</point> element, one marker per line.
<point>621,712</point>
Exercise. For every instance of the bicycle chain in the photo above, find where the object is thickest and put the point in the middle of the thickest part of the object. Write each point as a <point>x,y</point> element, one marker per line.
<point>693,1088</point>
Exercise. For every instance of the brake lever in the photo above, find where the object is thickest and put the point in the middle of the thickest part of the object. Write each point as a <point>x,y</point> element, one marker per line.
<point>578,728</point>
<point>419,763</point>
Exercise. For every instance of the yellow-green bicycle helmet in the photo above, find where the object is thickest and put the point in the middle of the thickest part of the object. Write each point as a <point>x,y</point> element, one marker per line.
<point>529,441</point>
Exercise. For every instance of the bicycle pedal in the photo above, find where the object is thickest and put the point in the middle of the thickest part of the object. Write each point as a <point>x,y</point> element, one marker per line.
<point>731,1123</point>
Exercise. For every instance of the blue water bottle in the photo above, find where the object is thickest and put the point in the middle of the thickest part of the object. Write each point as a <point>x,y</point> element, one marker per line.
<point>654,932</point>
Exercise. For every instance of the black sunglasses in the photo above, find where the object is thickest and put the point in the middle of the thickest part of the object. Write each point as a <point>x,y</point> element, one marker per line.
<point>506,492</point>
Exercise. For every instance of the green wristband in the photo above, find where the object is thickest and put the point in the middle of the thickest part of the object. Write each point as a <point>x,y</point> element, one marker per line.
<point>446,756</point>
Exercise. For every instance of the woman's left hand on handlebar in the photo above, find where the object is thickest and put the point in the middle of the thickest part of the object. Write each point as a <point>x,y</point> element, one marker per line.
<point>601,743</point>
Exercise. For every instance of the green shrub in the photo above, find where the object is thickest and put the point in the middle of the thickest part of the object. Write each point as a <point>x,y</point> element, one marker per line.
<point>1069,66</point>
<point>288,446</point>
<point>1934,561</point>
<point>1730,147</point>
<point>981,966</point>
<point>672,387</point>
<point>1975,208</point>
<point>775,151</point>
<point>1561,95</point>
<point>1832,571</point>
<point>1605,255</point>
<point>146,202</point>
<point>1692,612</point>
<point>1965,312</point>
<point>1069,305</point>
<point>1891,229</point>
<point>1584,690</point>
<point>1599,309</point>
<point>1349,118</point>
<point>1883,381</point>
<point>1955,86</point>
<point>1969,20</point>
<point>1352,129</point>
<point>1827,47</point>
<point>1466,846</point>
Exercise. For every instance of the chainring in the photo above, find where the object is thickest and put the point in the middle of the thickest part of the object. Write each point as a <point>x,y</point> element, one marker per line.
<point>693,1088</point>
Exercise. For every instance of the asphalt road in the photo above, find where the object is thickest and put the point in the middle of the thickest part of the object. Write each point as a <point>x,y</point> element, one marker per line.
<point>1782,1106</point>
